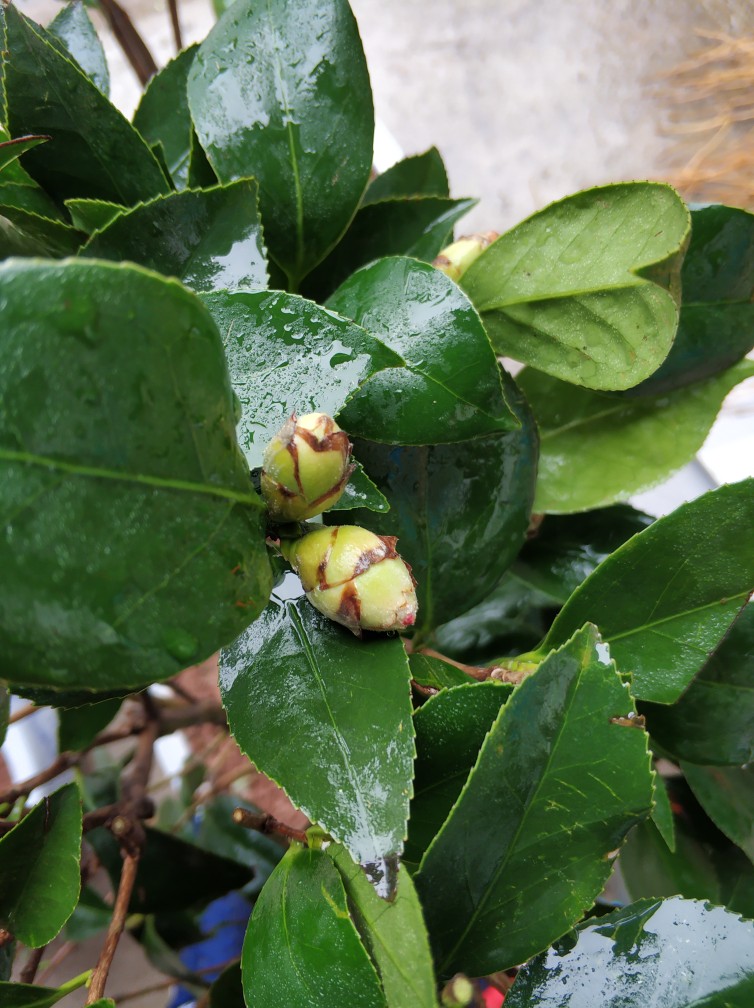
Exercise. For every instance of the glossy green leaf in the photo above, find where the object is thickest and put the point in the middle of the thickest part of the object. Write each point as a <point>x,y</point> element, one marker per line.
<point>556,787</point>
<point>435,673</point>
<point>173,874</point>
<point>662,813</point>
<point>134,543</point>
<point>301,940</point>
<point>281,92</point>
<point>418,226</point>
<point>676,953</point>
<point>418,175</point>
<point>347,704</point>
<point>565,549</point>
<point>26,231</point>
<point>512,618</point>
<point>17,995</point>
<point>78,726</point>
<point>200,172</point>
<point>12,149</point>
<point>92,215</point>
<point>210,239</point>
<point>393,933</point>
<point>666,598</point>
<point>168,961</point>
<point>287,355</point>
<point>360,492</point>
<point>39,866</point>
<point>618,446</point>
<point>74,29</point>
<point>451,388</point>
<point>460,514</point>
<point>93,151</point>
<point>716,327</point>
<point>163,115</point>
<point>713,721</point>
<point>586,289</point>
<point>450,729</point>
<point>698,868</point>
<point>727,796</point>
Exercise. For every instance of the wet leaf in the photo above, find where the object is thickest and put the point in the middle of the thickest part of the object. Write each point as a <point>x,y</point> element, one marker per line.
<point>93,151</point>
<point>393,933</point>
<point>282,93</point>
<point>418,226</point>
<point>301,940</point>
<point>211,239</point>
<point>79,726</point>
<point>289,355</point>
<point>687,954</point>
<point>565,549</point>
<point>618,446</point>
<point>513,618</point>
<point>665,599</point>
<point>586,289</point>
<point>662,813</point>
<point>12,149</point>
<point>296,675</point>
<point>39,865</point>
<point>727,796</point>
<point>418,175</point>
<point>716,327</point>
<point>163,115</point>
<point>360,492</point>
<point>91,215</point>
<point>74,29</point>
<point>460,515</point>
<point>134,543</point>
<point>450,729</point>
<point>542,825</point>
<point>713,721</point>
<point>450,389</point>
<point>435,673</point>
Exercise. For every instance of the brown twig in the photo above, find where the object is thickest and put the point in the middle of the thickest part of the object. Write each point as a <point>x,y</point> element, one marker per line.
<point>115,930</point>
<point>23,712</point>
<point>29,972</point>
<point>60,956</point>
<point>262,822</point>
<point>175,24</point>
<point>168,719</point>
<point>130,41</point>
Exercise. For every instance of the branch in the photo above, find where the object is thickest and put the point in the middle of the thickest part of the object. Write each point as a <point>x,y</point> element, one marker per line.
<point>29,972</point>
<point>265,823</point>
<point>130,41</point>
<point>115,930</point>
<point>175,24</point>
<point>169,718</point>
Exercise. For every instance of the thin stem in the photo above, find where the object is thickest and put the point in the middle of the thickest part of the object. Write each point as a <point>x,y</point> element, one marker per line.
<point>115,930</point>
<point>175,24</point>
<point>29,972</point>
<point>265,823</point>
<point>60,956</point>
<point>22,713</point>
<point>130,41</point>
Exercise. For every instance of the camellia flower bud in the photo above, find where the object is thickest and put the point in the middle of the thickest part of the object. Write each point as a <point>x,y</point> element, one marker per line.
<point>455,259</point>
<point>356,578</point>
<point>305,467</point>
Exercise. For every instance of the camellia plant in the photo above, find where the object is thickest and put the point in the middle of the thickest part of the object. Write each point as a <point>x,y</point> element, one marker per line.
<point>252,401</point>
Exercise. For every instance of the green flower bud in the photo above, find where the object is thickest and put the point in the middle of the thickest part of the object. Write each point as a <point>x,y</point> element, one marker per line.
<point>305,467</point>
<point>356,578</point>
<point>455,259</point>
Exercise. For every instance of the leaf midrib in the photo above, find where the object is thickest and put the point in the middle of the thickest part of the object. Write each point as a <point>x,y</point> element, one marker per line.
<point>142,479</point>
